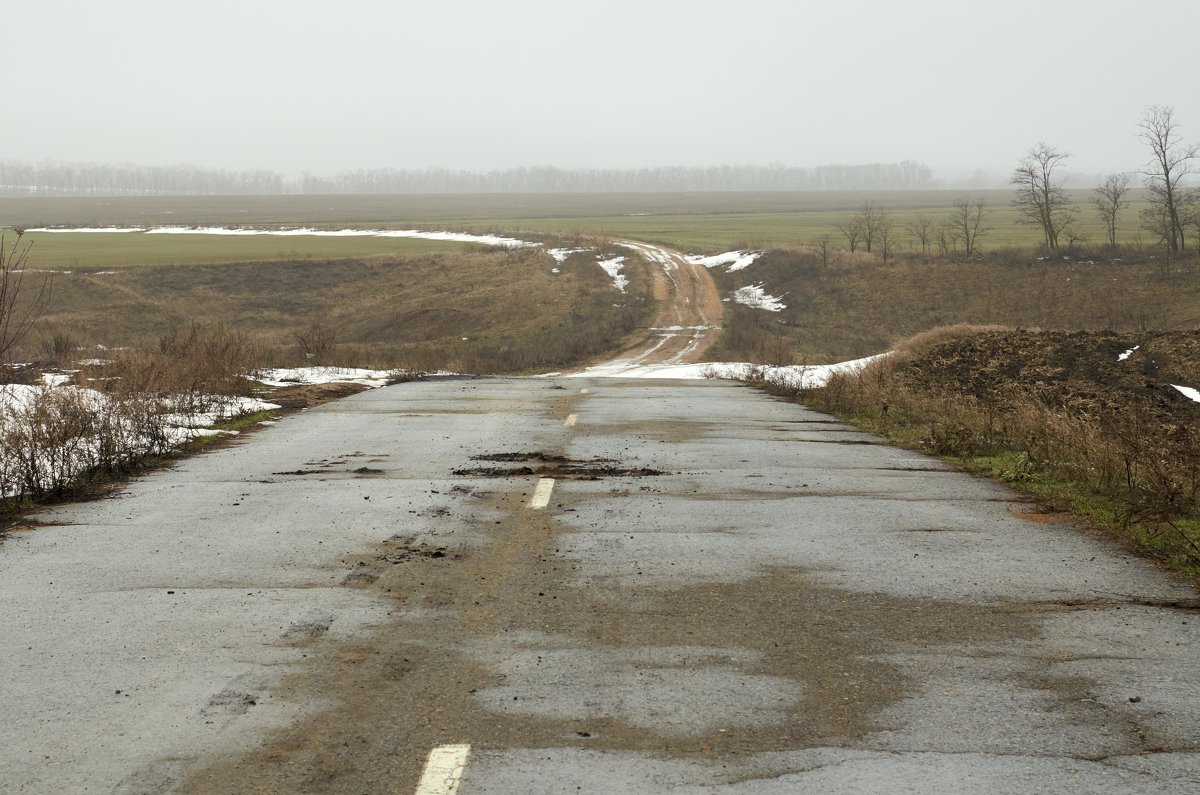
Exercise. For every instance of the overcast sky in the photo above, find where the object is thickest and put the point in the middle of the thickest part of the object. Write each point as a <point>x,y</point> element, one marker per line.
<point>296,85</point>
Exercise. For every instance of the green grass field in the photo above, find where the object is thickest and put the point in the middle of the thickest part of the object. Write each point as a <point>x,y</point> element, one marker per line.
<point>705,222</point>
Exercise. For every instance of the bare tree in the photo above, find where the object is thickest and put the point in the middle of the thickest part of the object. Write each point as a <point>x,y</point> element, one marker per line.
<point>852,230</point>
<point>318,342</point>
<point>887,240</point>
<point>946,240</point>
<point>966,223</point>
<point>1109,201</point>
<point>822,246</point>
<point>1040,196</point>
<point>922,229</point>
<point>865,225</point>
<point>1170,164</point>
<point>17,314</point>
<point>873,220</point>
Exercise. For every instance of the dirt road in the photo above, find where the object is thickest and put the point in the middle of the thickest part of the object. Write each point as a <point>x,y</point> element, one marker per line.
<point>689,315</point>
<point>505,586</point>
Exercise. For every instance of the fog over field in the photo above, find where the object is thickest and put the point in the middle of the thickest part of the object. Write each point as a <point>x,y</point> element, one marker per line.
<point>475,84</point>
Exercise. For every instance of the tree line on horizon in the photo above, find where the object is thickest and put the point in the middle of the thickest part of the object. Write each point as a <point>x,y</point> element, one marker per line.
<point>92,179</point>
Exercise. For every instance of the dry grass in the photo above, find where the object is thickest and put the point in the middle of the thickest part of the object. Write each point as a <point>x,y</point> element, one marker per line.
<point>57,442</point>
<point>482,310</point>
<point>858,305</point>
<point>1110,452</point>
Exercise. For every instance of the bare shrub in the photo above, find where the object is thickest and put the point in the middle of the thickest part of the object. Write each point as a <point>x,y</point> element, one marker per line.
<point>45,438</point>
<point>318,342</point>
<point>55,440</point>
<point>190,368</point>
<point>19,308</point>
<point>59,344</point>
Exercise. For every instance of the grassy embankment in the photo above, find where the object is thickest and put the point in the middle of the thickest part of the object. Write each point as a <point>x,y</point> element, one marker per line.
<point>468,309</point>
<point>858,306</point>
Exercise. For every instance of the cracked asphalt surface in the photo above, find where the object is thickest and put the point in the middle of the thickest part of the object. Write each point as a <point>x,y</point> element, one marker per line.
<point>753,598</point>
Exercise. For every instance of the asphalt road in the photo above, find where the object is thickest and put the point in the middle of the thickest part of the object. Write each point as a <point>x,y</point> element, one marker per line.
<point>723,593</point>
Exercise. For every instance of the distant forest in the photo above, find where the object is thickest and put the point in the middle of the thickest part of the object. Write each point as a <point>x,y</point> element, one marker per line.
<point>91,179</point>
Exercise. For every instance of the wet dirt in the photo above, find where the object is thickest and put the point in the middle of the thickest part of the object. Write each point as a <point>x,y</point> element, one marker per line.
<point>688,298</point>
<point>442,678</point>
<point>304,396</point>
<point>553,466</point>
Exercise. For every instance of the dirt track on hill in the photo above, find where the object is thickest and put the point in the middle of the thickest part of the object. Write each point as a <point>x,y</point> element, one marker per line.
<point>690,311</point>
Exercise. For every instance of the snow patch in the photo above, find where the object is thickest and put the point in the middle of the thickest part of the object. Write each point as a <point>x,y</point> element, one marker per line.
<point>1188,392</point>
<point>755,296</point>
<point>735,260</point>
<point>613,268</point>
<point>91,230</point>
<point>289,376</point>
<point>561,254</point>
<point>181,426</point>
<point>1123,356</point>
<point>455,237</point>
<point>811,376</point>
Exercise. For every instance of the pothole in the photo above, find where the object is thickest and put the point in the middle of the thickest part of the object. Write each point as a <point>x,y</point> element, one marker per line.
<point>405,548</point>
<point>553,466</point>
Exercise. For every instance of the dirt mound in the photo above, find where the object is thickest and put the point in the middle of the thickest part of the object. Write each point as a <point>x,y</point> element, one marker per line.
<point>303,396</point>
<point>1080,372</point>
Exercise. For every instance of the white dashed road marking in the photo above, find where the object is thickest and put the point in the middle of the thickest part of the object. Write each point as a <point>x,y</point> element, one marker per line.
<point>583,391</point>
<point>443,769</point>
<point>541,494</point>
<point>571,420</point>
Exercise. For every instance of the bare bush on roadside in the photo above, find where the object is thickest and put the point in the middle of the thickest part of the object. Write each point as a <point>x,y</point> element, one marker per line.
<point>318,342</point>
<point>20,304</point>
<point>190,368</point>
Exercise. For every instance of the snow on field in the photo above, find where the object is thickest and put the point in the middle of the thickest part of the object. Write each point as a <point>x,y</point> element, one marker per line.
<point>755,296</point>
<point>1123,356</point>
<point>18,397</point>
<point>89,229</point>
<point>561,254</point>
<point>613,268</point>
<point>654,254</point>
<point>455,237</point>
<point>326,375</point>
<point>811,376</point>
<point>1188,392</point>
<point>610,266</point>
<point>735,260</point>
<point>222,408</point>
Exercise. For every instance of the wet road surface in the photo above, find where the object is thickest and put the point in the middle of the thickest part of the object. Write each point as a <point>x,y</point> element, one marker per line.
<point>619,586</point>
